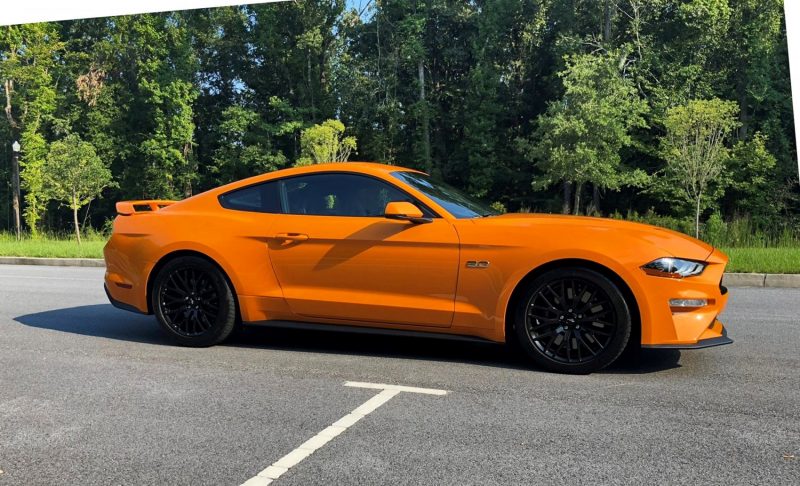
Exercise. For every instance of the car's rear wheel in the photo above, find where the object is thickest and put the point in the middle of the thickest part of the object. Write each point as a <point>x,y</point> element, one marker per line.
<point>194,302</point>
<point>573,320</point>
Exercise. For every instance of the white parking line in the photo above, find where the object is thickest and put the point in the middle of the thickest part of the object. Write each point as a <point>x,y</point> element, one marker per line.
<point>382,386</point>
<point>308,447</point>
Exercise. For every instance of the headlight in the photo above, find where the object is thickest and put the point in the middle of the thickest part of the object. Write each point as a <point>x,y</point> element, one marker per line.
<point>674,268</point>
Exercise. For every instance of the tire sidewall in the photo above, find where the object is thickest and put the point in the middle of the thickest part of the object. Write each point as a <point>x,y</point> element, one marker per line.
<point>615,347</point>
<point>225,319</point>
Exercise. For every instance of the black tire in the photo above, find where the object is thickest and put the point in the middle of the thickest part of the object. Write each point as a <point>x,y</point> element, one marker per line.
<point>577,307</point>
<point>193,302</point>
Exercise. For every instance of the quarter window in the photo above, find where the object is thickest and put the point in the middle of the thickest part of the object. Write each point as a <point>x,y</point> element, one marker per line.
<point>262,198</point>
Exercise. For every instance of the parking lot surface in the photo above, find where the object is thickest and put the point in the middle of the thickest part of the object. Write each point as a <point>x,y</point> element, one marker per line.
<point>94,395</point>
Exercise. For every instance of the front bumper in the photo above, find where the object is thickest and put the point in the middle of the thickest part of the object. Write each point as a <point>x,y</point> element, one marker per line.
<point>716,335</point>
<point>664,326</point>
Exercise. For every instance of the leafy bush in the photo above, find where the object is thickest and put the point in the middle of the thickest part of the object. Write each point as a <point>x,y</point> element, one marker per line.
<point>684,225</point>
<point>715,230</point>
<point>499,207</point>
<point>740,232</point>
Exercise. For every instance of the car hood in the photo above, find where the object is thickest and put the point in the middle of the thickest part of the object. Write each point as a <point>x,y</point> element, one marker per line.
<point>672,243</point>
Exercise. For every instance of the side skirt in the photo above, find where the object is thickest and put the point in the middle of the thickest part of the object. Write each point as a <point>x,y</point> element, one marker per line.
<point>312,326</point>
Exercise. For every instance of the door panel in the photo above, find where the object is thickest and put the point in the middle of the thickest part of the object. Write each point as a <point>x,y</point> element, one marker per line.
<point>366,268</point>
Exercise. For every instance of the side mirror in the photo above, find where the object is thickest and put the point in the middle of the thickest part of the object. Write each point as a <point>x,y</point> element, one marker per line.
<point>405,211</point>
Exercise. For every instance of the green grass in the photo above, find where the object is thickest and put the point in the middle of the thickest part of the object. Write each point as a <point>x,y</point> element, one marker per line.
<point>752,260</point>
<point>763,260</point>
<point>53,247</point>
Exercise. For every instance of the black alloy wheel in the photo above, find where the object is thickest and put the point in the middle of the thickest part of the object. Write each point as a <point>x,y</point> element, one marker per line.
<point>573,320</point>
<point>193,302</point>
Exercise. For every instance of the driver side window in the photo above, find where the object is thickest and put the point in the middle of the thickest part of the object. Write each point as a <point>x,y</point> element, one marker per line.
<point>338,194</point>
<point>327,194</point>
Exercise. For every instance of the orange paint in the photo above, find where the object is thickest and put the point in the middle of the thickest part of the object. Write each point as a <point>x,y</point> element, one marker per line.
<point>392,273</point>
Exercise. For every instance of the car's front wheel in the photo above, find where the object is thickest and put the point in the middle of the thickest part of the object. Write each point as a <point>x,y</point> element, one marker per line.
<point>193,302</point>
<point>573,320</point>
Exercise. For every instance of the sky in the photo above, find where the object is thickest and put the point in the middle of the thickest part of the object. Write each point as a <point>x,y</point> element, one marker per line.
<point>359,5</point>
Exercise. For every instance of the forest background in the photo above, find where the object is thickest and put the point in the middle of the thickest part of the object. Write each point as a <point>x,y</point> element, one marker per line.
<point>673,112</point>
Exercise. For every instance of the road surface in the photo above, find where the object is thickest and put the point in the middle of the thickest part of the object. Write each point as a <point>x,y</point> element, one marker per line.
<point>94,395</point>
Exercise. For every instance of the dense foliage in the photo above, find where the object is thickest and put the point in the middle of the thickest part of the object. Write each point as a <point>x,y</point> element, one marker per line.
<point>547,105</point>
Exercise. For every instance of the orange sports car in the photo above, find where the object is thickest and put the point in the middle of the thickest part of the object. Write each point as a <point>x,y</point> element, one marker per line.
<point>360,245</point>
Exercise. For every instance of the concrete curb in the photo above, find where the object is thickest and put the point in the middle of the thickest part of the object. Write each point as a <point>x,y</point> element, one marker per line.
<point>56,262</point>
<point>744,279</point>
<point>775,280</point>
<point>783,280</point>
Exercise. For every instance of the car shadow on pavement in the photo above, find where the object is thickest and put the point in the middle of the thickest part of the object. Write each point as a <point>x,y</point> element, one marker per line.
<point>101,320</point>
<point>377,345</point>
<point>643,361</point>
<point>429,349</point>
<point>105,321</point>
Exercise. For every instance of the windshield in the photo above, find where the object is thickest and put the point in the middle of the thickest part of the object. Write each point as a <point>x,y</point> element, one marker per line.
<point>454,201</point>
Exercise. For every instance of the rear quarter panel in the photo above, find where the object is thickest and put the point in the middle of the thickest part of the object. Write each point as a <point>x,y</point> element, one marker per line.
<point>235,240</point>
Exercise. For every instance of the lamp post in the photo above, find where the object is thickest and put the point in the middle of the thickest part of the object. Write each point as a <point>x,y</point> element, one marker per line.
<point>15,185</point>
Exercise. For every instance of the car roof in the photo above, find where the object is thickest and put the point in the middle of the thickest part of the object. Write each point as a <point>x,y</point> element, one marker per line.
<point>369,167</point>
<point>373,168</point>
<point>380,171</point>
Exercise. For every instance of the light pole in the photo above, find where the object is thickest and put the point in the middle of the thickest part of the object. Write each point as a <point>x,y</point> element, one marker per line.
<point>15,184</point>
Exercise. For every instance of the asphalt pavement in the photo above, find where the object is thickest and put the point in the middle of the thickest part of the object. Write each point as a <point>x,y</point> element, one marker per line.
<point>94,395</point>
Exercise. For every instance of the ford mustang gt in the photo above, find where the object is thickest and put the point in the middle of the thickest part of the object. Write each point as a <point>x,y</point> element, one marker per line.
<point>358,245</point>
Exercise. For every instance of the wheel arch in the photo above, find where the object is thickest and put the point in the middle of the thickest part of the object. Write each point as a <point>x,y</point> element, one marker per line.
<point>166,258</point>
<point>627,293</point>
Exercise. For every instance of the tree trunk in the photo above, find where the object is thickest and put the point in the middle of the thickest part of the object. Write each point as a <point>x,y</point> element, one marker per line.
<point>8,86</point>
<point>744,115</point>
<point>426,131</point>
<point>576,209</point>
<point>188,190</point>
<point>697,219</point>
<point>565,206</point>
<point>15,193</point>
<point>311,87</point>
<point>75,219</point>
<point>86,214</point>
<point>607,15</point>
<point>596,198</point>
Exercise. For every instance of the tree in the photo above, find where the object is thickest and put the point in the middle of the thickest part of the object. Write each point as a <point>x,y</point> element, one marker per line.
<point>291,48</point>
<point>248,145</point>
<point>179,102</point>
<point>325,143</point>
<point>74,175</point>
<point>750,184</point>
<point>500,70</point>
<point>244,148</point>
<point>755,31</point>
<point>26,66</point>
<point>149,91</point>
<point>694,148</point>
<point>579,138</point>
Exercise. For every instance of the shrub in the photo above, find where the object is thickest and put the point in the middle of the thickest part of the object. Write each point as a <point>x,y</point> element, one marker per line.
<point>716,230</point>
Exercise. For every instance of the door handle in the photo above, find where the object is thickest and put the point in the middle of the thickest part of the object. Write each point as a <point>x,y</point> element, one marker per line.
<point>291,236</point>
